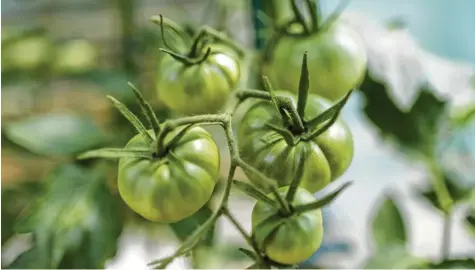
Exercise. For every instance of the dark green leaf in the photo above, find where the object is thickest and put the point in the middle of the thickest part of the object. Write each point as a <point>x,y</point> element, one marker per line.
<point>14,201</point>
<point>184,228</point>
<point>454,264</point>
<point>324,200</point>
<point>76,221</point>
<point>388,225</point>
<point>395,257</point>
<point>253,192</point>
<point>415,131</point>
<point>55,134</point>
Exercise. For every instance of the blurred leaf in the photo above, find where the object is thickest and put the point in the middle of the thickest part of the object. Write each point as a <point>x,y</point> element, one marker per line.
<point>454,264</point>
<point>14,200</point>
<point>395,257</point>
<point>109,82</point>
<point>388,225</point>
<point>58,134</point>
<point>457,192</point>
<point>417,130</point>
<point>470,218</point>
<point>75,222</point>
<point>185,227</point>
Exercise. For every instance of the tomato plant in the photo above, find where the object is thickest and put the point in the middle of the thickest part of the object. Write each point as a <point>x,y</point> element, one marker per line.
<point>272,141</point>
<point>288,239</point>
<point>336,55</point>
<point>168,172</point>
<point>200,80</point>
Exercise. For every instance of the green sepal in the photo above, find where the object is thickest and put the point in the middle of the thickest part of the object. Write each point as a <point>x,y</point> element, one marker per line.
<point>133,120</point>
<point>254,193</point>
<point>325,200</point>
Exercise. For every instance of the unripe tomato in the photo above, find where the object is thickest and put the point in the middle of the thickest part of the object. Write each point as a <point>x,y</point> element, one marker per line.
<point>27,53</point>
<point>198,89</point>
<point>336,61</point>
<point>75,56</point>
<point>292,239</point>
<point>172,187</point>
<point>328,155</point>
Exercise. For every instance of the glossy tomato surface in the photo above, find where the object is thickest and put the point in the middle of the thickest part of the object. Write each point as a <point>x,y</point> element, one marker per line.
<point>327,156</point>
<point>198,89</point>
<point>336,62</point>
<point>288,240</point>
<point>172,187</point>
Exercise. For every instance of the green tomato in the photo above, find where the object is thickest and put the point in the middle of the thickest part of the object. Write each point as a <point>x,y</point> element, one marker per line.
<point>198,89</point>
<point>28,53</point>
<point>336,62</point>
<point>175,186</point>
<point>292,239</point>
<point>328,155</point>
<point>75,56</point>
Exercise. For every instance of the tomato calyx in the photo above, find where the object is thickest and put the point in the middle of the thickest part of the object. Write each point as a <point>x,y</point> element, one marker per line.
<point>298,27</point>
<point>199,50</point>
<point>295,127</point>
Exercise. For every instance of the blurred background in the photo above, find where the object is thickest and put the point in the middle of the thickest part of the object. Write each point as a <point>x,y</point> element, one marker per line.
<point>61,58</point>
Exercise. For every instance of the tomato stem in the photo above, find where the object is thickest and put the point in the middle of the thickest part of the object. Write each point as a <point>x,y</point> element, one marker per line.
<point>187,60</point>
<point>297,179</point>
<point>299,16</point>
<point>146,110</point>
<point>250,240</point>
<point>162,22</point>
<point>207,31</point>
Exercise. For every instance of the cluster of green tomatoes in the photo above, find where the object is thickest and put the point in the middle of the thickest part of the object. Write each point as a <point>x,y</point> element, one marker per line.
<point>291,137</point>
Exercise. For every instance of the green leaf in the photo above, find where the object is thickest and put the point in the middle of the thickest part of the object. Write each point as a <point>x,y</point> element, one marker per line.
<point>326,199</point>
<point>395,257</point>
<point>454,264</point>
<point>331,114</point>
<point>253,192</point>
<point>416,130</point>
<point>14,201</point>
<point>388,225</point>
<point>303,88</point>
<point>75,222</point>
<point>185,227</point>
<point>56,134</point>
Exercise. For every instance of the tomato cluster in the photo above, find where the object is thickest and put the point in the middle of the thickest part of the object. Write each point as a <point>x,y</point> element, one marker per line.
<point>289,145</point>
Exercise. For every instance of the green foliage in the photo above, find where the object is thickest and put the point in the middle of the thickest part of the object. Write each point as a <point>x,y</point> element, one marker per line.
<point>75,221</point>
<point>55,134</point>
<point>454,264</point>
<point>183,227</point>
<point>416,130</point>
<point>395,257</point>
<point>457,191</point>
<point>14,201</point>
<point>388,225</point>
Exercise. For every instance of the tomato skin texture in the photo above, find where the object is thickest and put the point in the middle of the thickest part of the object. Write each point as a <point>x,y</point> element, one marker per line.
<point>198,89</point>
<point>328,156</point>
<point>288,240</point>
<point>336,62</point>
<point>171,188</point>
